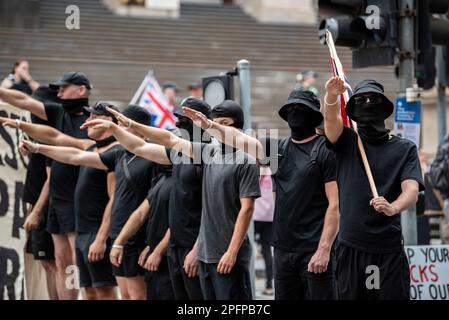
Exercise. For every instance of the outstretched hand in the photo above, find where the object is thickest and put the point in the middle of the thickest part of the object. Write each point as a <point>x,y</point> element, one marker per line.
<point>197,117</point>
<point>29,146</point>
<point>335,86</point>
<point>121,119</point>
<point>98,124</point>
<point>7,122</point>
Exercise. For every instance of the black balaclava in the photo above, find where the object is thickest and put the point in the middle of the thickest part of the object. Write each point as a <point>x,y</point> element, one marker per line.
<point>371,122</point>
<point>185,124</point>
<point>300,124</point>
<point>231,109</point>
<point>74,106</point>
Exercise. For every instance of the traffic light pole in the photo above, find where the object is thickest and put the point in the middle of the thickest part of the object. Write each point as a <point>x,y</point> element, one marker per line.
<point>406,76</point>
<point>243,67</point>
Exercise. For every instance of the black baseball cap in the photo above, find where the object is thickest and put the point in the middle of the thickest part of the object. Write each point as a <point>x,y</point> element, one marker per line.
<point>72,77</point>
<point>99,108</point>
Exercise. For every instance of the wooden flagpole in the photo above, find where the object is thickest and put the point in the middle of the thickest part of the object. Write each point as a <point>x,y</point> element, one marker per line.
<point>339,67</point>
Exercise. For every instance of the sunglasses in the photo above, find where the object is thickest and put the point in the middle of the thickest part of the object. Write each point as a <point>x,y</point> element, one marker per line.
<point>371,99</point>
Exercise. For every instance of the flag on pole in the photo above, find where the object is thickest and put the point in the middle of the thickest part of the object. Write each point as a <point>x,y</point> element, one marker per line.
<point>153,99</point>
<point>337,70</point>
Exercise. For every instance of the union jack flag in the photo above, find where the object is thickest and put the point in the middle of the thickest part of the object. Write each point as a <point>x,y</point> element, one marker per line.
<point>154,100</point>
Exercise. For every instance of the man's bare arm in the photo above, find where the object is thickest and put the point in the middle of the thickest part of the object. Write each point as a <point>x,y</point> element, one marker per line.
<point>67,155</point>
<point>131,142</point>
<point>159,136</point>
<point>46,134</point>
<point>225,134</point>
<point>333,123</point>
<point>228,260</point>
<point>22,101</point>
<point>320,260</point>
<point>407,198</point>
<point>135,221</point>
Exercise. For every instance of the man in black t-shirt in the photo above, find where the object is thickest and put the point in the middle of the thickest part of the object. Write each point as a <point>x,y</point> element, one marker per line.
<point>371,262</point>
<point>133,180</point>
<point>66,116</point>
<point>306,207</point>
<point>153,212</point>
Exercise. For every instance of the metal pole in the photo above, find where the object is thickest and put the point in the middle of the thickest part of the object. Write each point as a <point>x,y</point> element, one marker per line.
<point>406,76</point>
<point>245,90</point>
<point>243,67</point>
<point>441,104</point>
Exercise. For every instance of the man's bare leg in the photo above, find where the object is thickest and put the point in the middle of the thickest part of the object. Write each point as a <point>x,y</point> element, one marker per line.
<point>64,255</point>
<point>123,286</point>
<point>50,274</point>
<point>136,288</point>
<point>105,293</point>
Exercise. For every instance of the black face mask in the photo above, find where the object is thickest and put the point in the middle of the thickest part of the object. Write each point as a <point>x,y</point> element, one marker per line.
<point>371,123</point>
<point>300,124</point>
<point>74,106</point>
<point>104,142</point>
<point>185,124</point>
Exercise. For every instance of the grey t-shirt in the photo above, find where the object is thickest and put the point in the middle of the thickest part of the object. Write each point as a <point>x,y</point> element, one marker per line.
<point>226,178</point>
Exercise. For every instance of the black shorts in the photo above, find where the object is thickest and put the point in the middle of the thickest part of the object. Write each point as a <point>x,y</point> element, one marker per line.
<point>294,282</point>
<point>40,243</point>
<point>92,275</point>
<point>61,217</point>
<point>129,268</point>
<point>356,273</point>
<point>158,283</point>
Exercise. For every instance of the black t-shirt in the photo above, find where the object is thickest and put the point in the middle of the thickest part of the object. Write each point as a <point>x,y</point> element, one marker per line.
<point>128,195</point>
<point>185,200</point>
<point>91,197</point>
<point>159,199</point>
<point>36,172</point>
<point>63,177</point>
<point>22,86</point>
<point>361,227</point>
<point>301,200</point>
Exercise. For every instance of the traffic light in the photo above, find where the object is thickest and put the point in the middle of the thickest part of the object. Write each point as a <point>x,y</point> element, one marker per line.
<point>431,30</point>
<point>368,27</point>
<point>216,89</point>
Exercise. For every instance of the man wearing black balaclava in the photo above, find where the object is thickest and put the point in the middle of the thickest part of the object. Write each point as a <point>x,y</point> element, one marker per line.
<point>306,207</point>
<point>66,115</point>
<point>370,258</point>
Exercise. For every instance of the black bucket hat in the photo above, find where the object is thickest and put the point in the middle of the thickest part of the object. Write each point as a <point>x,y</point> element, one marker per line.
<point>195,104</point>
<point>369,86</point>
<point>306,98</point>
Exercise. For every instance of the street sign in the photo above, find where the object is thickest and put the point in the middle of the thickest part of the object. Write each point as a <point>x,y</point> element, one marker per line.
<point>407,119</point>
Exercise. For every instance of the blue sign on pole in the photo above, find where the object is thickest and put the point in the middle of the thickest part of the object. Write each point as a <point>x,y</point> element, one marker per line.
<point>407,119</point>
